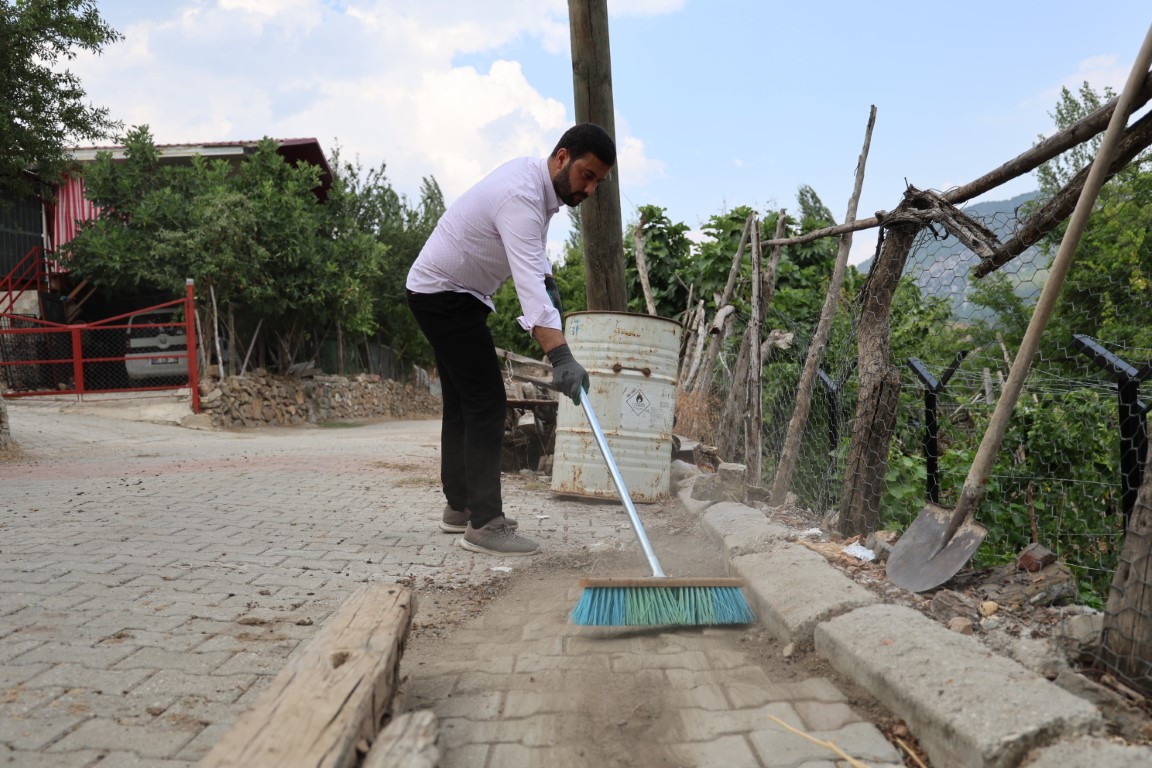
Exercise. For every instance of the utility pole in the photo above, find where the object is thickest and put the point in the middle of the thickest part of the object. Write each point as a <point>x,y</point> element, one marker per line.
<point>600,214</point>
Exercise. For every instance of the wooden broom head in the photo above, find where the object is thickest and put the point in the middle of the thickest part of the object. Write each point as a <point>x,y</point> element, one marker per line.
<point>657,582</point>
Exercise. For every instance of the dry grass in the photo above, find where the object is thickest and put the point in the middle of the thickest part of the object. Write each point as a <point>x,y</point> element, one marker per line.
<point>698,416</point>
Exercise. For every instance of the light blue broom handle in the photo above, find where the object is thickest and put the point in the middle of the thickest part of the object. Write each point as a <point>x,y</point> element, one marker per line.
<point>619,481</point>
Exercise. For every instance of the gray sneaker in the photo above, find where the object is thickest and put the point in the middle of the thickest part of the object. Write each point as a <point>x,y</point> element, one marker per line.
<point>456,522</point>
<point>498,538</point>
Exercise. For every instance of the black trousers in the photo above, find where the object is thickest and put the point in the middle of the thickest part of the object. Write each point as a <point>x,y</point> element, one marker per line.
<point>475,405</point>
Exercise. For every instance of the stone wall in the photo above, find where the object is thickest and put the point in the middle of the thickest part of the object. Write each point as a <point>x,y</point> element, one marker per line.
<point>260,399</point>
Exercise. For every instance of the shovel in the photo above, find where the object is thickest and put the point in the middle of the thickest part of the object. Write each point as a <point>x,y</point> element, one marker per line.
<point>940,541</point>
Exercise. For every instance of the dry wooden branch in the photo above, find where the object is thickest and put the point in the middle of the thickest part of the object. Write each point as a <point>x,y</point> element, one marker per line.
<point>642,266</point>
<point>928,207</point>
<point>1135,140</point>
<point>718,332</point>
<point>1025,162</point>
<point>697,326</point>
<point>830,746</point>
<point>815,357</point>
<point>753,448</point>
<point>722,308</point>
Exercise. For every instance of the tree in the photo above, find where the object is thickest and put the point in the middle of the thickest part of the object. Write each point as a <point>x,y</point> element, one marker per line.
<point>44,105</point>
<point>255,237</point>
<point>402,228</point>
<point>667,252</point>
<point>1104,294</point>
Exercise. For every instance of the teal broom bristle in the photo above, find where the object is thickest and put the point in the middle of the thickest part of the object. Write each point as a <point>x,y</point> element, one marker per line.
<point>659,606</point>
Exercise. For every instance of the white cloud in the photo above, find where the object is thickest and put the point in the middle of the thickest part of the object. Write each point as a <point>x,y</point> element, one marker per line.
<point>378,78</point>
<point>1097,71</point>
<point>644,7</point>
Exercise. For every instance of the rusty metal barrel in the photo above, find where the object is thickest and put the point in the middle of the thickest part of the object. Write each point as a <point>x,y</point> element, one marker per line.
<point>632,363</point>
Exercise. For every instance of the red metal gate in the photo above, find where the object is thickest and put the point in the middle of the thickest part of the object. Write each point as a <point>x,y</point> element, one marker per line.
<point>149,349</point>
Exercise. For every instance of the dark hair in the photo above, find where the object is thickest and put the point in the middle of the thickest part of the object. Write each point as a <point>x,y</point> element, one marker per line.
<point>583,138</point>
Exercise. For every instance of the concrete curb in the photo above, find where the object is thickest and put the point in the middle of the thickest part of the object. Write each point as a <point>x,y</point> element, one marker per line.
<point>967,705</point>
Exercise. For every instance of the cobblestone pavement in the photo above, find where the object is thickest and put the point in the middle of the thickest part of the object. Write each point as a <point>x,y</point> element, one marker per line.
<point>154,578</point>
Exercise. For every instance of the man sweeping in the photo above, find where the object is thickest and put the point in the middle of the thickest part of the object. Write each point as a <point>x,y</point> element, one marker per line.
<point>496,230</point>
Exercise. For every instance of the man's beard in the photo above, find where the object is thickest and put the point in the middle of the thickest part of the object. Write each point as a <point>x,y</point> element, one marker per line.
<point>562,181</point>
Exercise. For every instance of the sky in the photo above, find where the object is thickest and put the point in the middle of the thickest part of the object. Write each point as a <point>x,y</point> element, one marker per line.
<point>718,103</point>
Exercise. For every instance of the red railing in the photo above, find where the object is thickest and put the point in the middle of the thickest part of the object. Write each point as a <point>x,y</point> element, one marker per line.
<point>28,274</point>
<point>38,357</point>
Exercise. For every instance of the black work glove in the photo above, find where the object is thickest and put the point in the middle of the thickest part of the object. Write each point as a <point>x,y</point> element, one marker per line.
<point>568,376</point>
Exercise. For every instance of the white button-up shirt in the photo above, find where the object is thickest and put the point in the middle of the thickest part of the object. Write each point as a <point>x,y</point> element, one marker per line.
<point>496,230</point>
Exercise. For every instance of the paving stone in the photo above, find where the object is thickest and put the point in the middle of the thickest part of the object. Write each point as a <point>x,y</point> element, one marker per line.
<point>863,741</point>
<point>54,653</point>
<point>149,741</point>
<point>197,662</point>
<point>823,716</point>
<point>520,756</point>
<point>753,694</point>
<point>35,732</point>
<point>79,676</point>
<point>216,687</point>
<point>11,675</point>
<point>20,700</point>
<point>1090,753</point>
<point>19,758</point>
<point>724,752</point>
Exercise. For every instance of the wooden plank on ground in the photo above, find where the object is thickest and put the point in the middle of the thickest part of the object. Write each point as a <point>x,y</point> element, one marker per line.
<point>409,741</point>
<point>330,697</point>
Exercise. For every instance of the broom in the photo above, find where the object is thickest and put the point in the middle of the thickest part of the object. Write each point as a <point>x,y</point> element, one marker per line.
<point>658,600</point>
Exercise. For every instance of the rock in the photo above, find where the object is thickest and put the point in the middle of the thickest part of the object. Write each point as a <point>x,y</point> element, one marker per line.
<point>682,470</point>
<point>961,624</point>
<point>260,399</point>
<point>1034,557</point>
<point>881,543</point>
<point>988,608</point>
<point>947,605</point>
<point>726,484</point>
<point>1081,632</point>
<point>1051,584</point>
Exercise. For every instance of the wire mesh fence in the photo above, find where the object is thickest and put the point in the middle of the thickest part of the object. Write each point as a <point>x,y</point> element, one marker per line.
<point>145,350</point>
<point>909,382</point>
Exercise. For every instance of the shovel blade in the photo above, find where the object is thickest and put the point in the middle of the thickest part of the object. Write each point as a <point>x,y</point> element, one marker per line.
<point>929,553</point>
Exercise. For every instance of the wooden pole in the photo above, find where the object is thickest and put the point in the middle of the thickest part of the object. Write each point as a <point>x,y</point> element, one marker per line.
<point>600,215</point>
<point>816,351</point>
<point>753,450</point>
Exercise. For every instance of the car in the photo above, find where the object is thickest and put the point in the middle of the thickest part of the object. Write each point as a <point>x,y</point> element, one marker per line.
<point>157,344</point>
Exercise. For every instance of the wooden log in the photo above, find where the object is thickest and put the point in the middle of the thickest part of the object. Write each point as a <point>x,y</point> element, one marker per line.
<point>879,385</point>
<point>333,695</point>
<point>1135,140</point>
<point>791,451</point>
<point>642,266</point>
<point>1126,642</point>
<point>723,310</point>
<point>753,449</point>
<point>409,741</point>
<point>600,218</point>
